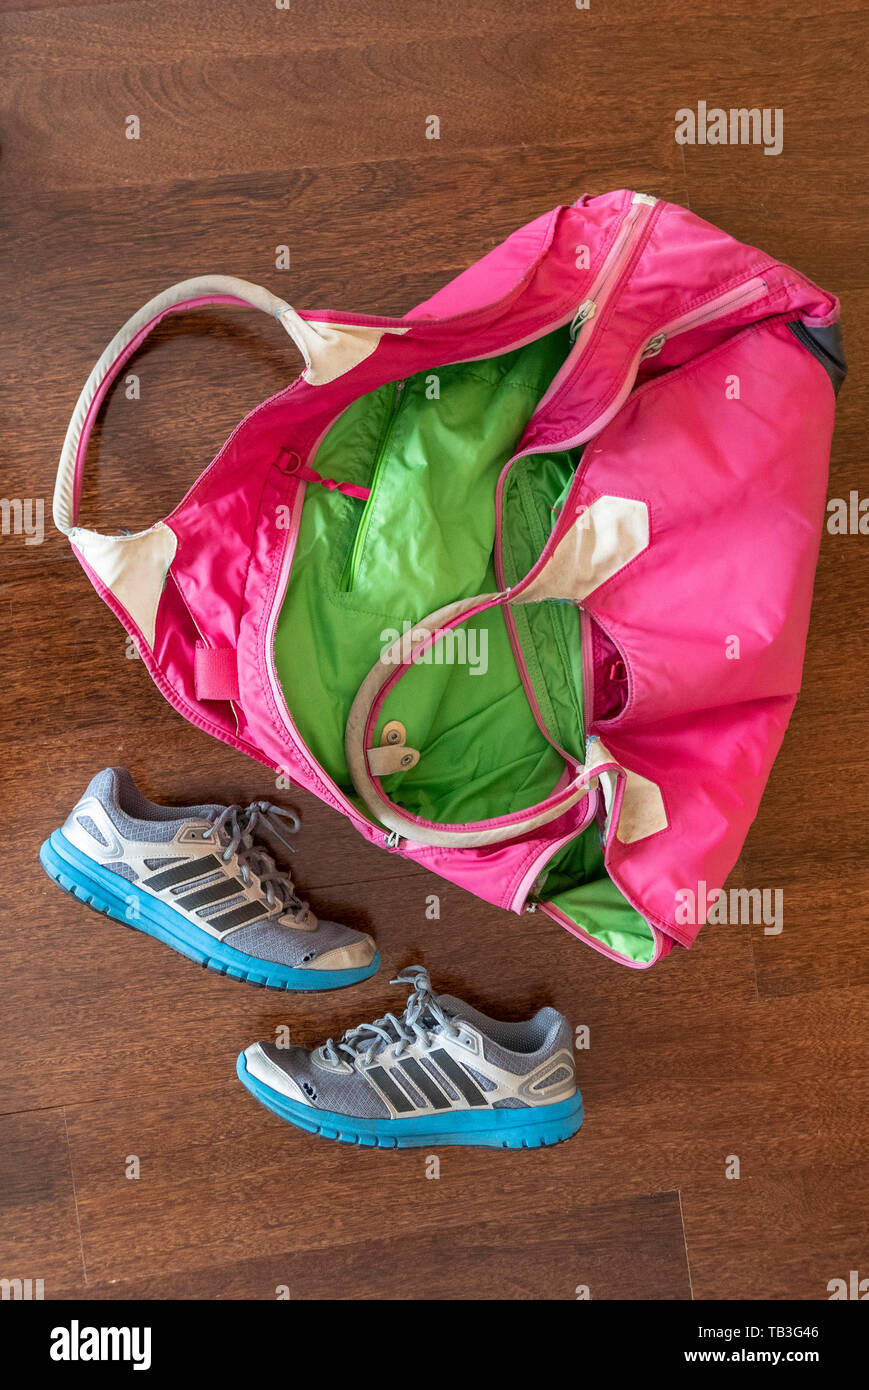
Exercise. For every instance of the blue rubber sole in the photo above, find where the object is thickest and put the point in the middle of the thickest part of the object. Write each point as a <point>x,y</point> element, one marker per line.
<point>492,1129</point>
<point>116,897</point>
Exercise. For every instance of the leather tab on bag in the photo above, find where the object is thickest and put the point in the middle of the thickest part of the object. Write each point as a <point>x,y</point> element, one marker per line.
<point>215,672</point>
<point>392,758</point>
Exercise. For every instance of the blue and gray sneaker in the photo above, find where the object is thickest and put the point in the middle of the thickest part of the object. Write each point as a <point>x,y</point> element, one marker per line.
<point>443,1073</point>
<point>201,879</point>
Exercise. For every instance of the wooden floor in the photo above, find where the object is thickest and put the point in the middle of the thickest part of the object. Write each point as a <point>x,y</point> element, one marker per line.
<point>262,128</point>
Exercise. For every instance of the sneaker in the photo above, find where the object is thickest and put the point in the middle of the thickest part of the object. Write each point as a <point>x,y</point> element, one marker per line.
<point>443,1073</point>
<point>201,879</point>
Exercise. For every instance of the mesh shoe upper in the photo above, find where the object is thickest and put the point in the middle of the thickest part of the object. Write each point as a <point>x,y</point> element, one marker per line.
<point>284,945</point>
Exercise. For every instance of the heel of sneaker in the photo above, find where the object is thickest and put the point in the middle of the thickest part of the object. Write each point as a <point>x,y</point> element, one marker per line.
<point>108,893</point>
<point>551,1125</point>
<point>73,878</point>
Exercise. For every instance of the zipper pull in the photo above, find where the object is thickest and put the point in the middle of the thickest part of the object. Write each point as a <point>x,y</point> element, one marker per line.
<point>585,312</point>
<point>653,346</point>
<point>644,198</point>
<point>392,840</point>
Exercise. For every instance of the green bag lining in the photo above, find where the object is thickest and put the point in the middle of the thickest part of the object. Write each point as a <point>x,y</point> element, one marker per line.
<point>576,882</point>
<point>362,571</point>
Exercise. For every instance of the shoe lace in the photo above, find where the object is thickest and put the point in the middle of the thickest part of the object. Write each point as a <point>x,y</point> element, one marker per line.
<point>422,1016</point>
<point>238,826</point>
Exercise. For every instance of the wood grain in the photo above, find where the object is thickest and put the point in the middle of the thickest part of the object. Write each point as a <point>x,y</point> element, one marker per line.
<point>260,129</point>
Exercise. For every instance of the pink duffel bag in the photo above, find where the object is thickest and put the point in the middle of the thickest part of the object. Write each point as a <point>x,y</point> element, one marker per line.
<point>520,582</point>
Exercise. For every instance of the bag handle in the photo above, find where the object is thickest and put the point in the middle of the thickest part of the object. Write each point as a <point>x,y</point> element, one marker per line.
<point>187,294</point>
<point>589,550</point>
<point>362,765</point>
<point>632,800</point>
<point>329,350</point>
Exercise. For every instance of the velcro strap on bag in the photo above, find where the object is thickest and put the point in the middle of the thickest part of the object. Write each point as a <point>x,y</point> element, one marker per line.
<point>215,672</point>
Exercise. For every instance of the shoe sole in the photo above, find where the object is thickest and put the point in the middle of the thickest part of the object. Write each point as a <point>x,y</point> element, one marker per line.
<point>539,1126</point>
<point>115,897</point>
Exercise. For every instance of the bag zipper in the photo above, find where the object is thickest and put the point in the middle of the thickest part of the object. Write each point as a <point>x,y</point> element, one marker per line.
<point>586,655</point>
<point>642,206</point>
<point>603,286</point>
<point>528,895</point>
<point>354,559</point>
<point>716,308</point>
<point>609,276</point>
<point>719,307</point>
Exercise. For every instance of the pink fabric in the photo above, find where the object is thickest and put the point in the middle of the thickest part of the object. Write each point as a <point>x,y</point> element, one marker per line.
<point>735,497</point>
<point>290,463</point>
<point>215,673</point>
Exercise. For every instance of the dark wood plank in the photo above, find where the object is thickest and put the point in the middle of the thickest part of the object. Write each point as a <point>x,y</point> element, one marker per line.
<point>626,1250</point>
<point>490,89</point>
<point>778,1235</point>
<point>666,1105</point>
<point>262,128</point>
<point>39,1232</point>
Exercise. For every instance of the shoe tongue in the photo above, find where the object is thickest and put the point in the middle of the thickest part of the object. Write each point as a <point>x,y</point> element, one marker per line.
<point>301,919</point>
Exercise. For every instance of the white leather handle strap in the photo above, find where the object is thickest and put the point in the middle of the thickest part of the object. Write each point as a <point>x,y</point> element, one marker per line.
<point>359,729</point>
<point>195,293</point>
<point>329,350</point>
